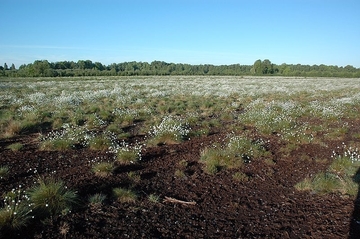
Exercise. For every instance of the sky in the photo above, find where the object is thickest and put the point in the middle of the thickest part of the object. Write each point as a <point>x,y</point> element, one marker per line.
<point>218,32</point>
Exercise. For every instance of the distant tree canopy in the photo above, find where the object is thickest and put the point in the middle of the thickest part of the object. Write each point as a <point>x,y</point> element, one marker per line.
<point>43,68</point>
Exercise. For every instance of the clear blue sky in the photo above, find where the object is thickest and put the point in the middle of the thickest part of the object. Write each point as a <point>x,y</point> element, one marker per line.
<point>181,31</point>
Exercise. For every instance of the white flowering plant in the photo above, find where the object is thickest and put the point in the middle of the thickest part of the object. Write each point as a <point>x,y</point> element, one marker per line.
<point>341,176</point>
<point>17,210</point>
<point>69,136</point>
<point>126,153</point>
<point>171,130</point>
<point>236,151</point>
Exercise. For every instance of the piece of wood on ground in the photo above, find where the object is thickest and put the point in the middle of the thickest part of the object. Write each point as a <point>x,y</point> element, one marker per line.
<point>174,200</point>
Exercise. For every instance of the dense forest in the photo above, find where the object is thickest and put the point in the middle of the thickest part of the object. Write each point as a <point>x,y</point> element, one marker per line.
<point>88,68</point>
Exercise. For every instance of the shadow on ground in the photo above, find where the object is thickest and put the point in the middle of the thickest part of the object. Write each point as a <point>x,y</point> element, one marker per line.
<point>355,218</point>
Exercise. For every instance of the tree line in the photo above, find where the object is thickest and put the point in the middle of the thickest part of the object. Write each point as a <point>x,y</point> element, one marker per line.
<point>44,68</point>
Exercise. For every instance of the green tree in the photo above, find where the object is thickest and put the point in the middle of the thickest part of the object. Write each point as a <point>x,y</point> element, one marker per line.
<point>81,64</point>
<point>6,66</point>
<point>99,66</point>
<point>257,68</point>
<point>41,68</point>
<point>267,67</point>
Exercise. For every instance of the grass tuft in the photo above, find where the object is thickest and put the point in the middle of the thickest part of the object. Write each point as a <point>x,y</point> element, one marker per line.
<point>17,210</point>
<point>179,173</point>
<point>15,147</point>
<point>4,172</point>
<point>154,198</point>
<point>124,195</point>
<point>134,176</point>
<point>99,143</point>
<point>326,182</point>
<point>57,144</point>
<point>96,200</point>
<point>103,169</point>
<point>341,176</point>
<point>51,197</point>
<point>304,185</point>
<point>171,130</point>
<point>12,129</point>
<point>240,177</point>
<point>126,157</point>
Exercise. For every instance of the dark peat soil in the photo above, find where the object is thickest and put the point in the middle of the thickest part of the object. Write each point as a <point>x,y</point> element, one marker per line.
<point>265,206</point>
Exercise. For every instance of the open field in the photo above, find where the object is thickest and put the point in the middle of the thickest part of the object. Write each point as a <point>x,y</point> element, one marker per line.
<point>179,157</point>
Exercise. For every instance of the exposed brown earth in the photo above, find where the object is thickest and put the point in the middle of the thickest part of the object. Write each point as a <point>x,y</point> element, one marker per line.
<point>265,206</point>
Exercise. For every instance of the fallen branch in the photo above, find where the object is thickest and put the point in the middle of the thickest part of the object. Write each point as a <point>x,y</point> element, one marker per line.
<point>173,200</point>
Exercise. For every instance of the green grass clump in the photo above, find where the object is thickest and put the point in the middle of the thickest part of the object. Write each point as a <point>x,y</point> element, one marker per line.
<point>212,159</point>
<point>4,172</point>
<point>127,156</point>
<point>96,200</point>
<point>12,128</point>
<point>342,176</point>
<point>326,182</point>
<point>154,198</point>
<point>103,169</point>
<point>100,143</point>
<point>304,185</point>
<point>247,149</point>
<point>215,159</point>
<point>115,128</point>
<point>56,144</point>
<point>233,155</point>
<point>134,177</point>
<point>171,130</point>
<point>15,147</point>
<point>182,164</point>
<point>17,211</point>
<point>51,197</point>
<point>241,177</point>
<point>69,136</point>
<point>125,195</point>
<point>342,166</point>
<point>179,173</point>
